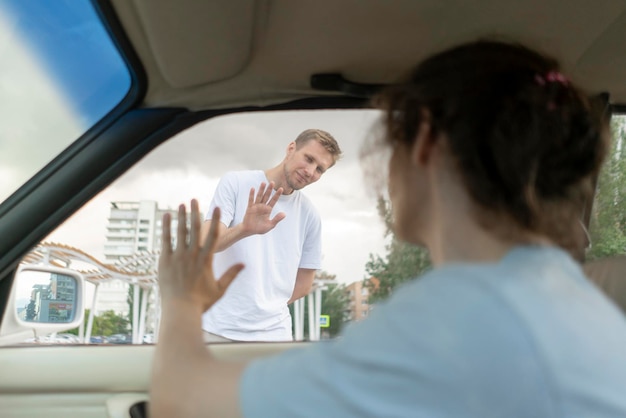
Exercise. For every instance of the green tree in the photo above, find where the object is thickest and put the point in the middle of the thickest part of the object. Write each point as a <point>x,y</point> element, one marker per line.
<point>31,311</point>
<point>334,304</point>
<point>401,263</point>
<point>108,323</point>
<point>608,219</point>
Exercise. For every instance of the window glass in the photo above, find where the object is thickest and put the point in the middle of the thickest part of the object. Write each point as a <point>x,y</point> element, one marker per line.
<point>189,166</point>
<point>59,75</point>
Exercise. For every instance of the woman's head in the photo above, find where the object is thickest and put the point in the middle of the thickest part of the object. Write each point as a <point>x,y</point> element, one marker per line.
<point>525,141</point>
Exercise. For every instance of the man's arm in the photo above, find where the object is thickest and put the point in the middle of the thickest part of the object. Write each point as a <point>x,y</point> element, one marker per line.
<point>227,236</point>
<point>200,385</point>
<point>304,283</point>
<point>256,220</point>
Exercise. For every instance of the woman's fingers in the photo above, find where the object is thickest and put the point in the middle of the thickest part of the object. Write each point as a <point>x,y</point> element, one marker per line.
<point>211,241</point>
<point>189,267</point>
<point>166,235</point>
<point>181,243</point>
<point>194,233</point>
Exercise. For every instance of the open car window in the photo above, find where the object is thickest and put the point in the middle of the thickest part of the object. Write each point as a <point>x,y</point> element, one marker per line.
<point>115,239</point>
<point>59,74</point>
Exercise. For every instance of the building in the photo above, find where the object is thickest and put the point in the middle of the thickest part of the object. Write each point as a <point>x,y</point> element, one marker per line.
<point>133,237</point>
<point>358,295</point>
<point>52,302</point>
<point>133,227</point>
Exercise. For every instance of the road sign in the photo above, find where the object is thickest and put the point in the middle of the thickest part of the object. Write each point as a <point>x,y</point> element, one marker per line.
<point>324,321</point>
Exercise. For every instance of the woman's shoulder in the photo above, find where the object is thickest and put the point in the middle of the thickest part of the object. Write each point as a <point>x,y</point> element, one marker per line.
<point>524,273</point>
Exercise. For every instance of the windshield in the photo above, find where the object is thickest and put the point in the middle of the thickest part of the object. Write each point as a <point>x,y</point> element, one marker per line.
<point>59,74</point>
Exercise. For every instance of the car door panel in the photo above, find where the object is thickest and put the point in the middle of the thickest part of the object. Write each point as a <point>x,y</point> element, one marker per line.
<point>91,381</point>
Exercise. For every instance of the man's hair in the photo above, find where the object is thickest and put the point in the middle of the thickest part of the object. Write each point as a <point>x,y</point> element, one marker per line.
<point>324,138</point>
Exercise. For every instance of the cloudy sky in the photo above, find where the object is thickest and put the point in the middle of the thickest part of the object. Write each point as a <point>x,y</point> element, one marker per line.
<point>59,74</point>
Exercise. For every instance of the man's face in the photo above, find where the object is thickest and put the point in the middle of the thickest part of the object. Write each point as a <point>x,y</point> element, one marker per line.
<point>306,165</point>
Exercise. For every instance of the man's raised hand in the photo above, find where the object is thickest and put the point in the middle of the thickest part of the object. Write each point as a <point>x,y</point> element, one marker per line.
<point>257,217</point>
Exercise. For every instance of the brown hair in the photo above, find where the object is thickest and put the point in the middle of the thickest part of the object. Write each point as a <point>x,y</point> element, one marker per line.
<point>324,138</point>
<point>528,144</point>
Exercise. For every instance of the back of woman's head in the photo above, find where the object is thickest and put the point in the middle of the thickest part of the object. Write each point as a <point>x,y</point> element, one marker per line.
<point>526,141</point>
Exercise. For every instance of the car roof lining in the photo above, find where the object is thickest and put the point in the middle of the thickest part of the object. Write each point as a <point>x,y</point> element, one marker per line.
<point>263,52</point>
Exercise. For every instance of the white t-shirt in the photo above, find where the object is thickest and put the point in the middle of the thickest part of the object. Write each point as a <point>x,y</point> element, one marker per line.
<point>528,336</point>
<point>254,307</point>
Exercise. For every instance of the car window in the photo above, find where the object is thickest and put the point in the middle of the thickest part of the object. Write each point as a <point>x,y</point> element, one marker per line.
<point>118,256</point>
<point>59,75</point>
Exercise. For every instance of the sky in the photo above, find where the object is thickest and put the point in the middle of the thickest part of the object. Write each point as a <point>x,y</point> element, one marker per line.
<point>59,74</point>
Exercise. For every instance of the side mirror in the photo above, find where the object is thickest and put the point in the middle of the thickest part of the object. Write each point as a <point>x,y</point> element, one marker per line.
<point>44,299</point>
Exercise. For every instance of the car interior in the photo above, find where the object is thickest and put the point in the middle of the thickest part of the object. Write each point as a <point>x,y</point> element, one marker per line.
<point>191,62</point>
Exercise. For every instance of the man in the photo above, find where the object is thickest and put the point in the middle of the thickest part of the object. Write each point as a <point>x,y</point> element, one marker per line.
<point>276,232</point>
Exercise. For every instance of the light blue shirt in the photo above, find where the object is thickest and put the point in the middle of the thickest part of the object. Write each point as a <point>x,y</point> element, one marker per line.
<point>528,336</point>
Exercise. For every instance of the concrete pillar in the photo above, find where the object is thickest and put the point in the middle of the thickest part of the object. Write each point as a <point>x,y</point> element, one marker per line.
<point>92,313</point>
<point>135,324</point>
<point>311,303</point>
<point>298,321</point>
<point>142,315</point>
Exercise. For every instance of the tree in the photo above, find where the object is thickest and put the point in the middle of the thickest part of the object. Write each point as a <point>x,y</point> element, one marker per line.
<point>31,311</point>
<point>608,219</point>
<point>401,263</point>
<point>334,304</point>
<point>105,324</point>
<point>109,323</point>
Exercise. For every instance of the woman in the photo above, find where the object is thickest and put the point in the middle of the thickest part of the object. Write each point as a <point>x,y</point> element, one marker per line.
<point>493,154</point>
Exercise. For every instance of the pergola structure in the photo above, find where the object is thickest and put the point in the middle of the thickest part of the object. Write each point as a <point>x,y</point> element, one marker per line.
<point>140,271</point>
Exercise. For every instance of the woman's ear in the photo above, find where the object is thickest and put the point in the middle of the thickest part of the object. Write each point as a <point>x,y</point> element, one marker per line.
<point>424,140</point>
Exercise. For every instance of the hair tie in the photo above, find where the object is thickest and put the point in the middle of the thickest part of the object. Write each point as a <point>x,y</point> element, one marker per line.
<point>551,77</point>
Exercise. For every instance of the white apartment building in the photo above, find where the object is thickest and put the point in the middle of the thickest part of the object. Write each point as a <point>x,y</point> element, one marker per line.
<point>133,229</point>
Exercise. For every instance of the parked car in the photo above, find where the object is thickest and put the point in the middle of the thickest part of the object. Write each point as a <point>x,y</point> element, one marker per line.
<point>98,339</point>
<point>119,339</point>
<point>65,338</point>
<point>91,88</point>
